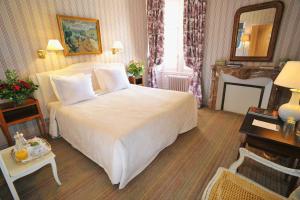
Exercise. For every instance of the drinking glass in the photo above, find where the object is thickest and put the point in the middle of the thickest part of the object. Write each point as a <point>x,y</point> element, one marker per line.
<point>289,126</point>
<point>298,130</point>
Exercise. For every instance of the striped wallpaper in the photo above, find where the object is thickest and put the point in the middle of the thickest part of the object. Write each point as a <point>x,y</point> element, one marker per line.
<point>26,26</point>
<point>220,16</point>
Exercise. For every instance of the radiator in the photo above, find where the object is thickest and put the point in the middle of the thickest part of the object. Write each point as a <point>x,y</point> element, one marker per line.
<point>178,83</point>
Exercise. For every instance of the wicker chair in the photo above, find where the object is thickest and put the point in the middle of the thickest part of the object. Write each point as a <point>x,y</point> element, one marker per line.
<point>228,185</point>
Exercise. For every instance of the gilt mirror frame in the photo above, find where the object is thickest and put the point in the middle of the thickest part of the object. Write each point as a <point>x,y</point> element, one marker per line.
<point>278,5</point>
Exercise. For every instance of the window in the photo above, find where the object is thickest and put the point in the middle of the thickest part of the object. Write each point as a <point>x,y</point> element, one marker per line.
<point>240,33</point>
<point>173,44</point>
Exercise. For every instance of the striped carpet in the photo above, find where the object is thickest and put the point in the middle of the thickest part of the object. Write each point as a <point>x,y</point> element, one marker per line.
<point>181,171</point>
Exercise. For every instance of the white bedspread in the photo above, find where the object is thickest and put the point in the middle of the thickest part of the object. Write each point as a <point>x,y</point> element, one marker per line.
<point>124,131</point>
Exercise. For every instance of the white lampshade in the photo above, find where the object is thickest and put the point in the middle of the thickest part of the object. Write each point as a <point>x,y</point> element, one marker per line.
<point>54,45</point>
<point>117,45</point>
<point>289,76</point>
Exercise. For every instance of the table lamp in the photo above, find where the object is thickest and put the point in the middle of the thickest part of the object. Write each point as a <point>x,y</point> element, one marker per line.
<point>289,77</point>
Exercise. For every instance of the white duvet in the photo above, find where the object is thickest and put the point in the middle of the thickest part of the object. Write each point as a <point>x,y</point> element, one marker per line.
<point>124,131</point>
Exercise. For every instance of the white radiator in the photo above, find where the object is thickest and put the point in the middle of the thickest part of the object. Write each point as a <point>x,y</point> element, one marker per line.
<point>178,83</point>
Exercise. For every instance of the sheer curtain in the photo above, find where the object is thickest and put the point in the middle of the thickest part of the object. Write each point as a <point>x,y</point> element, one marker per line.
<point>173,43</point>
<point>179,26</point>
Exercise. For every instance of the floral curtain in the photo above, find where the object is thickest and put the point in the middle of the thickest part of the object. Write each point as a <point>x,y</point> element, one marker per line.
<point>193,42</point>
<point>155,18</point>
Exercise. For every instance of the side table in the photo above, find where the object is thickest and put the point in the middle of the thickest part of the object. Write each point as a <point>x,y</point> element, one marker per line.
<point>136,81</point>
<point>268,140</point>
<point>13,171</point>
<point>12,115</point>
<point>274,142</point>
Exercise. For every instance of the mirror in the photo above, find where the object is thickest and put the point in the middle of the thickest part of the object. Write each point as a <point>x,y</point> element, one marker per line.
<point>255,32</point>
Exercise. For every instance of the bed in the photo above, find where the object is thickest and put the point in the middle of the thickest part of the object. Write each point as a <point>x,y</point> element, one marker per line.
<point>122,131</point>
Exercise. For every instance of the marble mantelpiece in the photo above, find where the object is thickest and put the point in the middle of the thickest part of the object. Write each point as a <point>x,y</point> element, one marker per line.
<point>245,72</point>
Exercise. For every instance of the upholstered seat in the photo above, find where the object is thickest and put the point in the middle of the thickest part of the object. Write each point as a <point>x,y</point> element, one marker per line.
<point>227,184</point>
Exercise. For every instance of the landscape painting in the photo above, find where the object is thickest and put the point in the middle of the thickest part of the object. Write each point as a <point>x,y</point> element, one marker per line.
<point>79,35</point>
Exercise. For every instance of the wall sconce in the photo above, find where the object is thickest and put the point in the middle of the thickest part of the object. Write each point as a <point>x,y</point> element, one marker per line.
<point>53,45</point>
<point>245,38</point>
<point>117,47</point>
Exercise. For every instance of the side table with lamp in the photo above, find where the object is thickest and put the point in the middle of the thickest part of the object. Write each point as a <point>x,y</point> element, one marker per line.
<point>272,142</point>
<point>282,140</point>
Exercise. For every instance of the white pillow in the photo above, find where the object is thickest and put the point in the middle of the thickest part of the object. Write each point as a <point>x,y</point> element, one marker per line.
<point>51,77</point>
<point>72,89</point>
<point>112,79</point>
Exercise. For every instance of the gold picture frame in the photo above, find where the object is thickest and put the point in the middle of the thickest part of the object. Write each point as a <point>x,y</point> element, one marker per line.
<point>79,36</point>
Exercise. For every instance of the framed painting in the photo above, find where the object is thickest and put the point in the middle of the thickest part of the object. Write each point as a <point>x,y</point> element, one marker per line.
<point>79,35</point>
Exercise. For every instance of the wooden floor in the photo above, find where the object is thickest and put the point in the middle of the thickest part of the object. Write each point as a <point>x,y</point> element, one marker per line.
<point>181,171</point>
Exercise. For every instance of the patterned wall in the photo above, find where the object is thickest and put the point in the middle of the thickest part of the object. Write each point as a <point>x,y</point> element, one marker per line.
<point>220,15</point>
<point>26,26</point>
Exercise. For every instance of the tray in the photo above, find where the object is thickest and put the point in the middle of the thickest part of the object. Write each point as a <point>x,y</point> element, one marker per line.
<point>30,157</point>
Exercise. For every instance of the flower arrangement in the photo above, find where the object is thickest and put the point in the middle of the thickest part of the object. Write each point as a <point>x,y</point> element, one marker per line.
<point>135,68</point>
<point>14,89</point>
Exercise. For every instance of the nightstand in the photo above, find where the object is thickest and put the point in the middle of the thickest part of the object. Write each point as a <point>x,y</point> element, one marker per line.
<point>274,142</point>
<point>12,115</point>
<point>136,81</point>
<point>13,171</point>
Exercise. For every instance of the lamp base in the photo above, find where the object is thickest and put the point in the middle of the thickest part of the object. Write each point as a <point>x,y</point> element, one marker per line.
<point>291,109</point>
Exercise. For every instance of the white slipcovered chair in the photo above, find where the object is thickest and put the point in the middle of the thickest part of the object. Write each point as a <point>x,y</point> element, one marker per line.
<point>228,185</point>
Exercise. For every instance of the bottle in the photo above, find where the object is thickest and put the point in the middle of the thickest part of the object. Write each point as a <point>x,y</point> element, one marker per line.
<point>23,140</point>
<point>21,152</point>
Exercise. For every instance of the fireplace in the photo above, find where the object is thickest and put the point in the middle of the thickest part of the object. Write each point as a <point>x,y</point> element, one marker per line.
<point>236,89</point>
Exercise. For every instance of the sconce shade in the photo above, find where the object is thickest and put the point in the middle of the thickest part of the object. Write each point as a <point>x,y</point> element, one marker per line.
<point>289,76</point>
<point>54,45</point>
<point>117,45</point>
<point>245,38</point>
